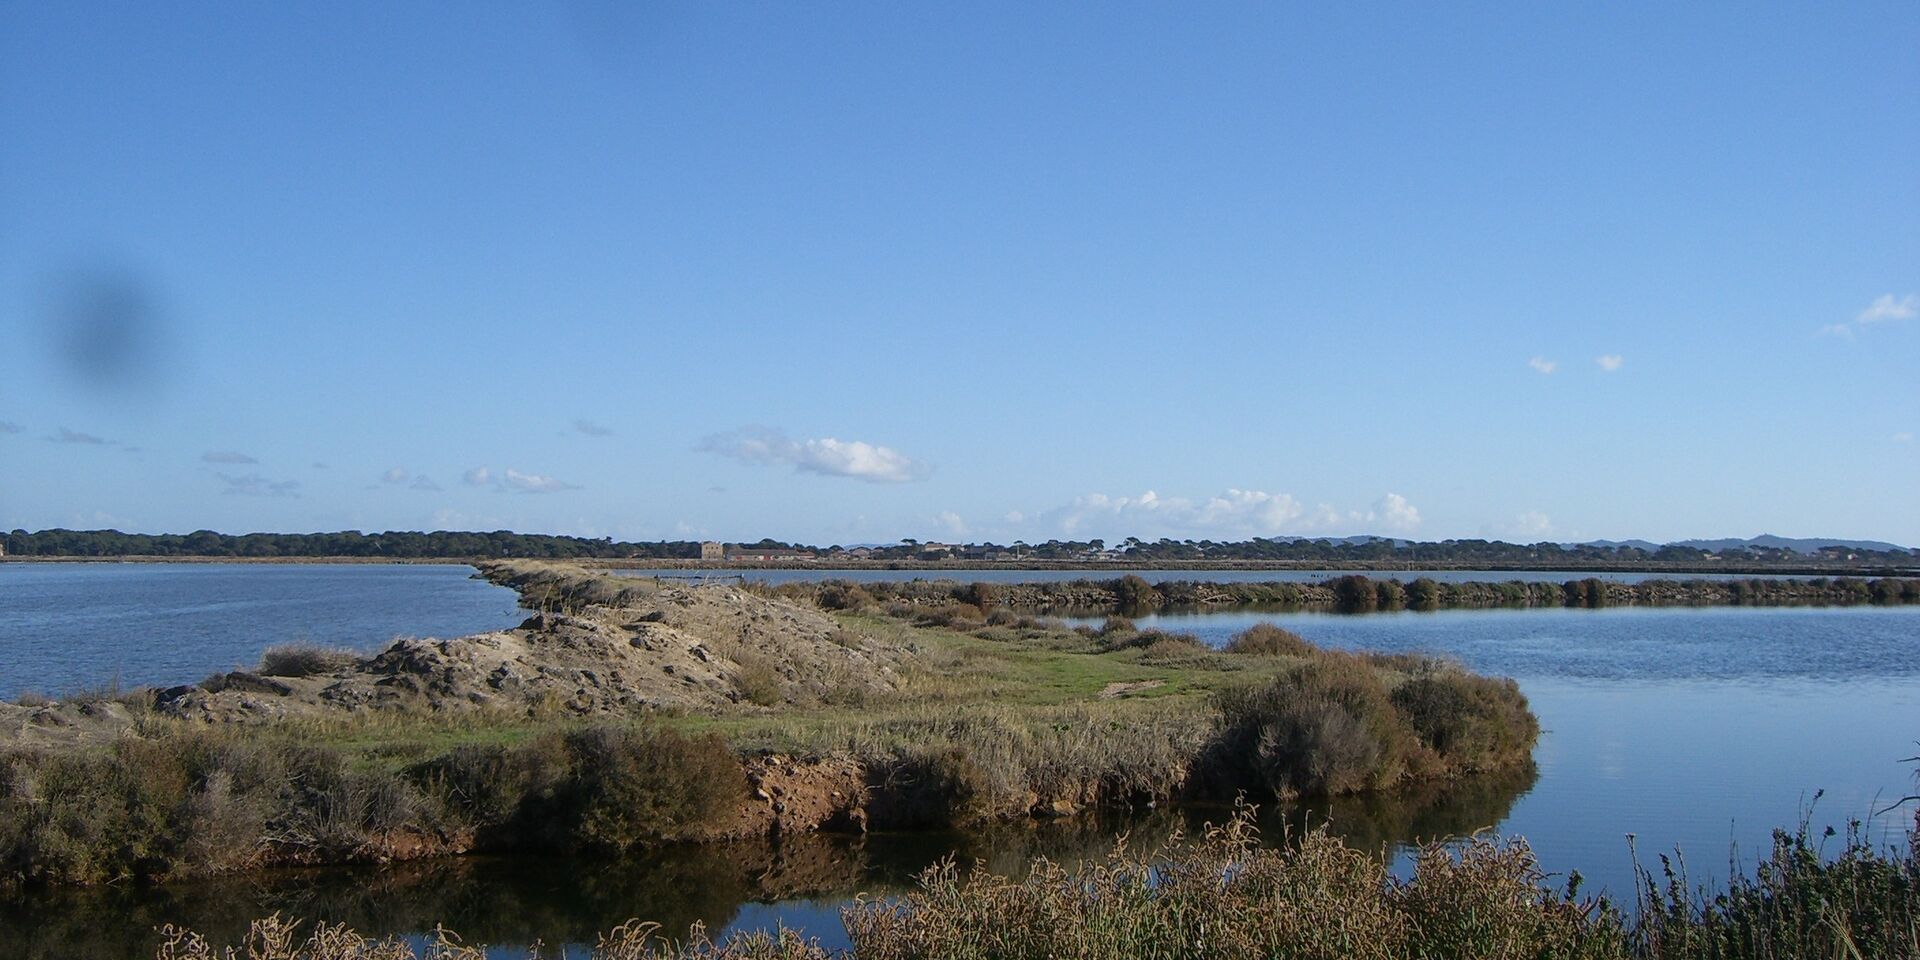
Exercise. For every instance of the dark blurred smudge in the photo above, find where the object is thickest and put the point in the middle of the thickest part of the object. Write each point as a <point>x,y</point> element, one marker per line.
<point>106,327</point>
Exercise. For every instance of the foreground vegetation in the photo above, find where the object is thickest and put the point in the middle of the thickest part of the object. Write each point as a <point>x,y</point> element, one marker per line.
<point>994,716</point>
<point>1226,896</point>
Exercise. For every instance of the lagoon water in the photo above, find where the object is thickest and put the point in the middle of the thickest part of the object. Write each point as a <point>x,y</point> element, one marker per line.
<point>1701,729</point>
<point>71,626</point>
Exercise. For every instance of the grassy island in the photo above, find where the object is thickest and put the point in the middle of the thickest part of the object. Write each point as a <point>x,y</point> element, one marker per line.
<point>627,712</point>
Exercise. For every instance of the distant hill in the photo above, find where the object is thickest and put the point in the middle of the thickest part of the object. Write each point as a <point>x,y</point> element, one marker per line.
<point>1797,544</point>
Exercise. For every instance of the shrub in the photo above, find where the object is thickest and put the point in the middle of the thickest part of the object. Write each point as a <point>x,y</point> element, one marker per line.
<point>1133,595</point>
<point>1472,722</point>
<point>304,660</point>
<point>1117,624</point>
<point>843,595</point>
<point>1267,640</point>
<point>757,681</point>
<point>1327,727</point>
<point>1423,594</point>
<point>1354,593</point>
<point>1389,595</point>
<point>627,787</point>
<point>954,616</point>
<point>1170,643</point>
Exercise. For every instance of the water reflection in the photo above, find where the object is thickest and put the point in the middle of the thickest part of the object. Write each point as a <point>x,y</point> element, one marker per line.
<point>801,881</point>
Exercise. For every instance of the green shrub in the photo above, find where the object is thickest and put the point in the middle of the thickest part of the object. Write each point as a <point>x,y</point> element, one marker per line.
<point>1133,595</point>
<point>1354,593</point>
<point>1472,722</point>
<point>627,787</point>
<point>757,681</point>
<point>1326,727</point>
<point>1267,640</point>
<point>1423,594</point>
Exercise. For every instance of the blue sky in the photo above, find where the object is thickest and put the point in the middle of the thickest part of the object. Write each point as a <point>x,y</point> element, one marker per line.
<point>851,272</point>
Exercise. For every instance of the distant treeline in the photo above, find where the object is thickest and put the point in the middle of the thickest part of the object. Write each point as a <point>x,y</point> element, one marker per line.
<point>1131,552</point>
<point>1133,595</point>
<point>350,543</point>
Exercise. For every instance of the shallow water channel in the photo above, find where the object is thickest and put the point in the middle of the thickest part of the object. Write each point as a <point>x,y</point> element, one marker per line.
<point>1701,729</point>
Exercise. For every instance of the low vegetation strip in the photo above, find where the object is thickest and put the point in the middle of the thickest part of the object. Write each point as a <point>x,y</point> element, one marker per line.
<point>626,712</point>
<point>1132,595</point>
<point>1225,896</point>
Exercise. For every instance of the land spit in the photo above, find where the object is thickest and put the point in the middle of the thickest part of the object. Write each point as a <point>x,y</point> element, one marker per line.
<point>627,712</point>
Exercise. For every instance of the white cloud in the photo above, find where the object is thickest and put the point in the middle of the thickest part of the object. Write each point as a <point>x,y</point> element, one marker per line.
<point>1884,308</point>
<point>1903,437</point>
<point>477,477</point>
<point>1235,513</point>
<point>1609,362</point>
<point>226,456</point>
<point>826,456</point>
<point>534,483</point>
<point>1393,514</point>
<point>255,485</point>
<point>591,429</point>
<point>1531,526</point>
<point>1887,308</point>
<point>395,475</point>
<point>1544,365</point>
<point>951,523</point>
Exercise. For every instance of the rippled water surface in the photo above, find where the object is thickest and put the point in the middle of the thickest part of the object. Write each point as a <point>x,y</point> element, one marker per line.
<point>1696,728</point>
<point>69,626</point>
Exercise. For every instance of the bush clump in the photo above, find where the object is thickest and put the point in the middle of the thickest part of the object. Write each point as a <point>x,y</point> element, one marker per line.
<point>1474,723</point>
<point>1327,727</point>
<point>1267,640</point>
<point>304,660</point>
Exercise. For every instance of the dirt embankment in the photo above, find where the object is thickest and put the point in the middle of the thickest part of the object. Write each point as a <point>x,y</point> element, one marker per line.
<point>594,645</point>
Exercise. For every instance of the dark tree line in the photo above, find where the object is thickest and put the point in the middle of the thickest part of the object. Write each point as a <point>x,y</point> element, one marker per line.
<point>398,544</point>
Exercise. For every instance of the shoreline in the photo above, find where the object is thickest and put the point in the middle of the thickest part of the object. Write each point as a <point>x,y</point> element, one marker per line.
<point>1117,567</point>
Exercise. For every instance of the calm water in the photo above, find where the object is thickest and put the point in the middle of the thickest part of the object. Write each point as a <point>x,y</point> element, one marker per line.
<point>1697,728</point>
<point>68,626</point>
<point>1162,576</point>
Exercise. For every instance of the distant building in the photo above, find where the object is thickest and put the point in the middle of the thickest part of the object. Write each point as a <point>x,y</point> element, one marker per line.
<point>712,550</point>
<point>738,552</point>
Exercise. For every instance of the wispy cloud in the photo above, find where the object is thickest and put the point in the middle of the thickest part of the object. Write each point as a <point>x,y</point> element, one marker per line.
<point>74,436</point>
<point>1234,514</point>
<point>1903,436</point>
<point>1530,526</point>
<point>1883,309</point>
<point>254,485</point>
<point>226,456</point>
<point>826,456</point>
<point>8,426</point>
<point>1543,365</point>
<point>395,475</point>
<point>534,482</point>
<point>592,429</point>
<point>1610,362</point>
<point>515,481</point>
<point>423,482</point>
